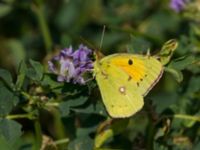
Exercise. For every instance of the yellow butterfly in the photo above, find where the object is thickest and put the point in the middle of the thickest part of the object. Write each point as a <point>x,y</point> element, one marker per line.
<point>124,80</point>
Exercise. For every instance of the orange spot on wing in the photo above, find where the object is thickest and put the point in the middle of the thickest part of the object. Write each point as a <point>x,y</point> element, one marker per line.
<point>136,70</point>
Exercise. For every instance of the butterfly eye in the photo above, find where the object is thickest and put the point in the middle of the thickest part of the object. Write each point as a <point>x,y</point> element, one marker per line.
<point>130,62</point>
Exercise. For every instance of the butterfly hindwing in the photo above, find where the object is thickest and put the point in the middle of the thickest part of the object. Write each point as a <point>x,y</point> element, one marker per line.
<point>119,93</point>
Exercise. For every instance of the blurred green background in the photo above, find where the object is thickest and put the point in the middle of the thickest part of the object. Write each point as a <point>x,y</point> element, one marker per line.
<point>33,29</point>
<point>37,29</point>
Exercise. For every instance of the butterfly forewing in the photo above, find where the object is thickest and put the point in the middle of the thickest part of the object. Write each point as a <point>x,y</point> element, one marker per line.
<point>124,79</point>
<point>153,74</point>
<point>145,71</point>
<point>120,95</point>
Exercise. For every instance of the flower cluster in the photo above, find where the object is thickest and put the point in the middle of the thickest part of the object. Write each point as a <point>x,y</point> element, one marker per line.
<point>71,65</point>
<point>178,5</point>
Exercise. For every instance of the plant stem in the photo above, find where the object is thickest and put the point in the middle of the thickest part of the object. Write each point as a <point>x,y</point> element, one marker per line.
<point>56,104</point>
<point>19,116</point>
<point>188,117</point>
<point>151,132</point>
<point>38,133</point>
<point>37,8</point>
<point>181,116</point>
<point>59,128</point>
<point>62,141</point>
<point>26,95</point>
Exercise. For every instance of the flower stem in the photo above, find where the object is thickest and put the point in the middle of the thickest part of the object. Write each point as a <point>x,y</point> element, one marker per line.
<point>62,141</point>
<point>180,116</point>
<point>19,116</point>
<point>187,117</point>
<point>60,132</point>
<point>37,8</point>
<point>56,104</point>
<point>38,133</point>
<point>150,135</point>
<point>26,95</point>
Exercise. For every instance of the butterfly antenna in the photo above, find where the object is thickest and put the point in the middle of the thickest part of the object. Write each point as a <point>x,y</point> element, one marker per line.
<point>148,52</point>
<point>102,36</point>
<point>127,49</point>
<point>98,54</point>
<point>87,43</point>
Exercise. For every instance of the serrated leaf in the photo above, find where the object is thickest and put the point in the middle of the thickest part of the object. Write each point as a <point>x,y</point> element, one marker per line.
<point>6,77</point>
<point>21,74</point>
<point>35,73</point>
<point>10,130</point>
<point>7,100</point>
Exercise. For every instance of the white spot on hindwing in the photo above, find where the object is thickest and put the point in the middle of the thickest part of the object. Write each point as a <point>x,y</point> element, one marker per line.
<point>122,90</point>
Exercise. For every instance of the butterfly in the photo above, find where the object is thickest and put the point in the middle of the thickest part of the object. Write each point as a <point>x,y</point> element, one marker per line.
<point>124,80</point>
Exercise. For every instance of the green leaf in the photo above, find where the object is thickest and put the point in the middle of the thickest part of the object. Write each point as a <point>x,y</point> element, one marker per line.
<point>85,131</point>
<point>4,145</point>
<point>139,44</point>
<point>182,62</point>
<point>101,139</point>
<point>164,100</point>
<point>17,50</point>
<point>116,127</point>
<point>32,74</point>
<point>178,76</point>
<point>7,100</point>
<point>193,85</point>
<point>81,143</point>
<point>167,51</point>
<point>64,109</point>
<point>70,104</point>
<point>21,74</point>
<point>48,81</point>
<point>98,108</point>
<point>6,77</point>
<point>197,146</point>
<point>35,73</point>
<point>10,130</point>
<point>159,146</point>
<point>4,9</point>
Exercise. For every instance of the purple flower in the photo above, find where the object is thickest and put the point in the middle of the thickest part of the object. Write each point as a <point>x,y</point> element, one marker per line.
<point>71,65</point>
<point>82,53</point>
<point>178,5</point>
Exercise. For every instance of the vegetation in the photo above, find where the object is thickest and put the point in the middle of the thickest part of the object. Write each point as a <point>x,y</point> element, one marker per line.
<point>38,110</point>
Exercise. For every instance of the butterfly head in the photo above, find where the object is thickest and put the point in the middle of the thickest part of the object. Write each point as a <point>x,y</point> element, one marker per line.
<point>98,55</point>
